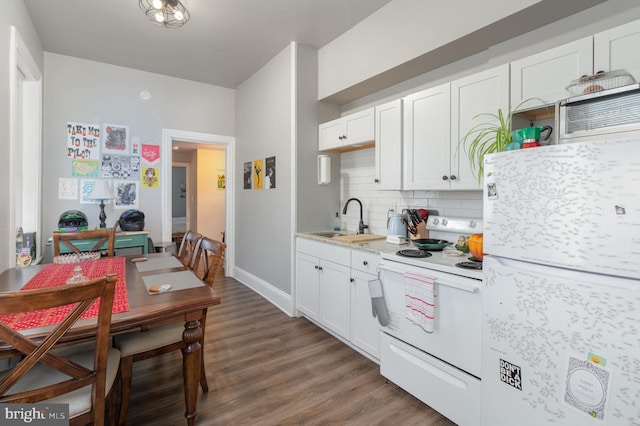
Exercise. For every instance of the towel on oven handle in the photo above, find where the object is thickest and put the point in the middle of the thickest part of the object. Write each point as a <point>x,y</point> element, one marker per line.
<point>420,300</point>
<point>378,307</point>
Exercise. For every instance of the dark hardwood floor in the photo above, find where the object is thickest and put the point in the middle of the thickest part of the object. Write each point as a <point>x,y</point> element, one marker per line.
<point>265,368</point>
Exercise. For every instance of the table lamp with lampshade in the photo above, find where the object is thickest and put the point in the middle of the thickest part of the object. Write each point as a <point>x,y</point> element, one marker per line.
<point>101,191</point>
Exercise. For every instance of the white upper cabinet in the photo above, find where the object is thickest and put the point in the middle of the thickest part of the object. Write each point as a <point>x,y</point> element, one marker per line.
<point>480,93</point>
<point>347,132</point>
<point>388,172</point>
<point>427,135</point>
<point>546,75</point>
<point>617,49</point>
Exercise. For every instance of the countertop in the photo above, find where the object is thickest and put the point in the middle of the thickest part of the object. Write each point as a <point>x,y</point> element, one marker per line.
<point>373,246</point>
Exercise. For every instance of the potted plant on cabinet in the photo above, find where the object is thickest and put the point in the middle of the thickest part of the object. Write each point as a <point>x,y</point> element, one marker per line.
<point>490,136</point>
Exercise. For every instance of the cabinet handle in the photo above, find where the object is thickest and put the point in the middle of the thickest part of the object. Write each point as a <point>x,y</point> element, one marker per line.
<point>320,268</point>
<point>453,177</point>
<point>445,177</point>
<point>365,263</point>
<point>317,267</point>
<point>351,279</point>
<point>376,180</point>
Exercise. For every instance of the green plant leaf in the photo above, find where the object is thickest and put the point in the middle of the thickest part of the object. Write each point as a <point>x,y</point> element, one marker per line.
<point>489,136</point>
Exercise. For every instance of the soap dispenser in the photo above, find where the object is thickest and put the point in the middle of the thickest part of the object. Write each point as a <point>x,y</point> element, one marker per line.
<point>336,223</point>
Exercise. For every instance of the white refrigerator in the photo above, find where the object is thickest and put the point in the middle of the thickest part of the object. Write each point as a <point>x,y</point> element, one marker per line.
<point>561,290</point>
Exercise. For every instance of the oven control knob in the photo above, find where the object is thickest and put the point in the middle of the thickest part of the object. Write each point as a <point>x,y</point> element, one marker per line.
<point>444,222</point>
<point>472,224</point>
<point>436,221</point>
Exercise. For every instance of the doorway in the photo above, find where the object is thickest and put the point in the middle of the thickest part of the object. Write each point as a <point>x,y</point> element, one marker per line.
<point>171,137</point>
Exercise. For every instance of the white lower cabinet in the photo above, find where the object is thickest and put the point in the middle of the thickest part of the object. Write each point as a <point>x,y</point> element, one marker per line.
<point>332,288</point>
<point>365,331</point>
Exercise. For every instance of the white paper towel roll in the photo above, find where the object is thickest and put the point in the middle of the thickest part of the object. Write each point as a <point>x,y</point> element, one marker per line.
<point>324,170</point>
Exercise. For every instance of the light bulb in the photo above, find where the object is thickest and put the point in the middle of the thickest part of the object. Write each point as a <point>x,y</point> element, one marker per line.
<point>157,4</point>
<point>159,17</point>
<point>179,16</point>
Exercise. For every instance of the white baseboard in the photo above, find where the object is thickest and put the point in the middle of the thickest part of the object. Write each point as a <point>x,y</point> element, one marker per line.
<point>273,294</point>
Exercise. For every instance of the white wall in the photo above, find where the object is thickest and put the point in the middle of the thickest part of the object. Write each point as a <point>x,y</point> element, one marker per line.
<point>264,117</point>
<point>13,14</point>
<point>93,92</point>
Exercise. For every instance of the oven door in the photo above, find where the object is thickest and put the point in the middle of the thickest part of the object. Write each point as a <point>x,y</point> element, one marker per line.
<point>457,328</point>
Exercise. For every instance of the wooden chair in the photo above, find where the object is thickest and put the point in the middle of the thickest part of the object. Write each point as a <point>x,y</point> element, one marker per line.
<point>167,338</point>
<point>209,252</point>
<point>187,250</point>
<point>80,375</point>
<point>68,238</point>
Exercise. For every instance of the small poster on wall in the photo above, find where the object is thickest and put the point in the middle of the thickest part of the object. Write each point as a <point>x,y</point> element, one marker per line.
<point>83,141</point>
<point>270,173</point>
<point>258,175</point>
<point>85,168</point>
<point>222,180</point>
<point>67,189</point>
<point>126,195</point>
<point>124,167</point>
<point>247,175</point>
<point>150,177</point>
<point>86,185</point>
<point>115,139</point>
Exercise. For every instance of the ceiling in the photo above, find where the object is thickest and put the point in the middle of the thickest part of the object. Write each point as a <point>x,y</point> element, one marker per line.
<point>224,42</point>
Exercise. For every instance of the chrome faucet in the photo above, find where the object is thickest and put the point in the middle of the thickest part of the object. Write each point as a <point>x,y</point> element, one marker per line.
<point>361,225</point>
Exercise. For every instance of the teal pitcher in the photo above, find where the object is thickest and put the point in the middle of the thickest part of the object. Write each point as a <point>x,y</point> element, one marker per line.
<point>531,136</point>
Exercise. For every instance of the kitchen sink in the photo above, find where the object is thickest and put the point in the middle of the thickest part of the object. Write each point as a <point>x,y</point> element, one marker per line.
<point>328,234</point>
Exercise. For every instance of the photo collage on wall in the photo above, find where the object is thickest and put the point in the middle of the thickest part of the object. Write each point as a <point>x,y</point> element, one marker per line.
<point>108,153</point>
<point>258,174</point>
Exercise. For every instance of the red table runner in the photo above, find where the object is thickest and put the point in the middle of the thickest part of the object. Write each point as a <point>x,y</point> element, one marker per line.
<point>57,274</point>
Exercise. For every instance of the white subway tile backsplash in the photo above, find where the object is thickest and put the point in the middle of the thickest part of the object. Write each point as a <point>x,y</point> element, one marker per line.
<point>357,173</point>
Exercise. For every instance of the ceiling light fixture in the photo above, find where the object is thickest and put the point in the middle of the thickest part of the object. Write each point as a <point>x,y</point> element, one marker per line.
<point>167,13</point>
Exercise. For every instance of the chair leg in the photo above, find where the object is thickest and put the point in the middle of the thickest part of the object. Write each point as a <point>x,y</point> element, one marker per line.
<point>126,370</point>
<point>111,404</point>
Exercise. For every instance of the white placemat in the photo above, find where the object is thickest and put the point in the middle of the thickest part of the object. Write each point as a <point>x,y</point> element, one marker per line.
<point>178,280</point>
<point>153,263</point>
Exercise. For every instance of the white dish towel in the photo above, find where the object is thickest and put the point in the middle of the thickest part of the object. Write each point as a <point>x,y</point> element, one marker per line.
<point>420,300</point>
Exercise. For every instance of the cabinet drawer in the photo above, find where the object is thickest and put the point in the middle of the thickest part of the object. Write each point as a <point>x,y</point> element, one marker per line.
<point>365,261</point>
<point>330,252</point>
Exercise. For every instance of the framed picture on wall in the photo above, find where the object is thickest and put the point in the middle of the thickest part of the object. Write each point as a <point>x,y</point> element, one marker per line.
<point>247,173</point>
<point>258,176</point>
<point>270,172</point>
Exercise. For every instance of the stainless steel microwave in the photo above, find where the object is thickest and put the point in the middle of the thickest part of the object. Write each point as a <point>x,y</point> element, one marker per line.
<point>594,115</point>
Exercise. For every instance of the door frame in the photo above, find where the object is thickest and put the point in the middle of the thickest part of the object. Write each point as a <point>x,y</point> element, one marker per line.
<point>168,137</point>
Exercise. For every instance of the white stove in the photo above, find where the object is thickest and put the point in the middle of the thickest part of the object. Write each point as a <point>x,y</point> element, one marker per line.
<point>439,367</point>
<point>448,229</point>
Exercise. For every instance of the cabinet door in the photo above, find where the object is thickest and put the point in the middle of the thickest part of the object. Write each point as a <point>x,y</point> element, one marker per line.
<point>330,135</point>
<point>481,93</point>
<point>359,127</point>
<point>427,134</point>
<point>388,173</point>
<point>365,331</point>
<point>308,285</point>
<point>546,74</point>
<point>617,49</point>
<point>335,296</point>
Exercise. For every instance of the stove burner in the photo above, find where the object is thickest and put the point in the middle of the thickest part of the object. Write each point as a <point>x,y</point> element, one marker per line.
<point>474,259</point>
<point>413,253</point>
<point>470,265</point>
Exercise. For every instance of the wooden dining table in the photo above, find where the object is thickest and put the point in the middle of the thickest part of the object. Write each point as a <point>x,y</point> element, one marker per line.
<point>146,311</point>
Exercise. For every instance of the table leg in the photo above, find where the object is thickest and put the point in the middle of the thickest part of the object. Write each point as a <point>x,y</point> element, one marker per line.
<point>191,359</point>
